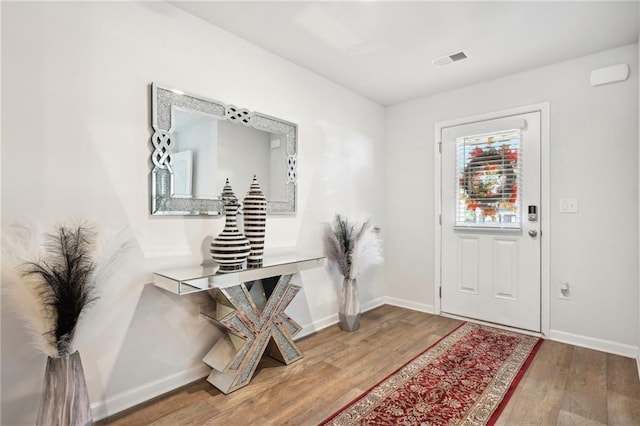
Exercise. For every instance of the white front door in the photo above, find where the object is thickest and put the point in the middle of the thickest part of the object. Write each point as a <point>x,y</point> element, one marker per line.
<point>490,220</point>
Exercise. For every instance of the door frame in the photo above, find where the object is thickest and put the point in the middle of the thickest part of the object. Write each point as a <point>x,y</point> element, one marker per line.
<point>545,208</point>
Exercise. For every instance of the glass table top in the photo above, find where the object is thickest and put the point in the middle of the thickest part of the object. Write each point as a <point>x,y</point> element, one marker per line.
<point>201,278</point>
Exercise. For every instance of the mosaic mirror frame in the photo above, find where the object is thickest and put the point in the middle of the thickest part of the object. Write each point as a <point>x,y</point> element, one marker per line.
<point>163,201</point>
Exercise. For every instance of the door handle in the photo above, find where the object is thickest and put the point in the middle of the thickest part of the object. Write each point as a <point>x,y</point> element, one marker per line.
<point>533,233</point>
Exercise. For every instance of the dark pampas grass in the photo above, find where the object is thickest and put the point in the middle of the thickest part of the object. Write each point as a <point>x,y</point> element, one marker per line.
<point>64,281</point>
<point>352,247</point>
<point>339,243</point>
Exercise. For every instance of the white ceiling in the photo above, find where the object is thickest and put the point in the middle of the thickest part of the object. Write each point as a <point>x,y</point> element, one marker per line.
<point>383,49</point>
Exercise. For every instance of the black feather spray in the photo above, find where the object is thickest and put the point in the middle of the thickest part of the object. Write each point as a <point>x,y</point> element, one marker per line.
<point>66,281</point>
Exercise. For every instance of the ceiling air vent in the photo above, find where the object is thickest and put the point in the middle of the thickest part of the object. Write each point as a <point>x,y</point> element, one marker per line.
<point>449,59</point>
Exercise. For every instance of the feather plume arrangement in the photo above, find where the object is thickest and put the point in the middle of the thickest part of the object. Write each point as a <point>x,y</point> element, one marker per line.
<point>353,248</point>
<point>62,282</point>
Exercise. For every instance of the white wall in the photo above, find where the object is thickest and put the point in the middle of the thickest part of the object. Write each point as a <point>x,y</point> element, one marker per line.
<point>594,157</point>
<point>76,144</point>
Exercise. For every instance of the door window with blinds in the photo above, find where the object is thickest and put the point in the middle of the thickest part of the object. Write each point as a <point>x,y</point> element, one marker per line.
<point>488,176</point>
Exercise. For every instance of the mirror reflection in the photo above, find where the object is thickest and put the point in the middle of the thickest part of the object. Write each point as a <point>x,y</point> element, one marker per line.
<point>199,143</point>
<point>207,151</point>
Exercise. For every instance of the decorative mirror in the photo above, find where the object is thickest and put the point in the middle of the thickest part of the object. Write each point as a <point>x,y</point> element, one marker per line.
<point>198,143</point>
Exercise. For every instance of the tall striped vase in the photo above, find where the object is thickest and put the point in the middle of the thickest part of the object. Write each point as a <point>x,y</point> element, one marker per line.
<point>231,248</point>
<point>255,222</point>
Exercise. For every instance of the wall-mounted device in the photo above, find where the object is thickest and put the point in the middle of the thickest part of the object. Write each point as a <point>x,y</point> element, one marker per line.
<point>612,74</point>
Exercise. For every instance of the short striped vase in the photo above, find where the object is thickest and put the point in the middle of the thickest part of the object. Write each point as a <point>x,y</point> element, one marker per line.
<point>255,222</point>
<point>231,248</point>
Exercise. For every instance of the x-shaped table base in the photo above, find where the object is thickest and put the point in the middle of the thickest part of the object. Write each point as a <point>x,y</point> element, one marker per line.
<point>253,316</point>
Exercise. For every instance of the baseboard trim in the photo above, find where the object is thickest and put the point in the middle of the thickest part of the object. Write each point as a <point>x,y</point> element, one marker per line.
<point>124,400</point>
<point>402,303</point>
<point>595,343</point>
<point>316,326</point>
<point>323,323</point>
<point>374,304</point>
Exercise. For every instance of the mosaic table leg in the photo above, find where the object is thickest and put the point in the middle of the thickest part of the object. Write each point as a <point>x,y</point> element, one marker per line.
<point>250,332</point>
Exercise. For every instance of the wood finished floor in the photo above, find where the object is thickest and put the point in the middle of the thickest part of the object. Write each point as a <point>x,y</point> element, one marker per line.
<point>565,385</point>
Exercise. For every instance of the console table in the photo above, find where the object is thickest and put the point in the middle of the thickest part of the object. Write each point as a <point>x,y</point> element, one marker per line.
<point>249,306</point>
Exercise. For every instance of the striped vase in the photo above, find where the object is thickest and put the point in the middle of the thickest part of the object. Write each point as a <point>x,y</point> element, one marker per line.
<point>255,221</point>
<point>231,248</point>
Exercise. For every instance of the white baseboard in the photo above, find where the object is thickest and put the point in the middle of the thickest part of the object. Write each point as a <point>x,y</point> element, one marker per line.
<point>595,343</point>
<point>130,398</point>
<point>421,307</point>
<point>316,326</point>
<point>373,304</point>
<point>133,397</point>
<point>320,324</point>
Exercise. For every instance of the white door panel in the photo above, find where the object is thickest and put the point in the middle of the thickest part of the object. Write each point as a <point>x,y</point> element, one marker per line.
<point>491,270</point>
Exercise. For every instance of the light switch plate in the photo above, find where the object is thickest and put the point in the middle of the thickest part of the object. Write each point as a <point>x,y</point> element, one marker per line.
<point>568,205</point>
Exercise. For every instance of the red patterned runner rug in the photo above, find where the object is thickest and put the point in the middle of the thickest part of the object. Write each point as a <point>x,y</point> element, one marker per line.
<point>466,378</point>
